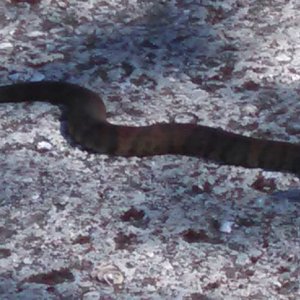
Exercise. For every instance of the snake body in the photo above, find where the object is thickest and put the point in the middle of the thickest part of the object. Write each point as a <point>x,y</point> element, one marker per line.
<point>87,124</point>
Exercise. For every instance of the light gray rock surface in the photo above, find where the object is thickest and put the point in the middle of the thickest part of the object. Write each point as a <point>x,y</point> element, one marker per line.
<point>75,225</point>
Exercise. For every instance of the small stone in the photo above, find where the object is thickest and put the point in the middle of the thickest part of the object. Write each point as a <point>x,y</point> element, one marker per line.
<point>6,45</point>
<point>85,284</point>
<point>44,146</point>
<point>108,273</point>
<point>35,196</point>
<point>249,109</point>
<point>282,57</point>
<point>226,226</point>
<point>27,261</point>
<point>35,34</point>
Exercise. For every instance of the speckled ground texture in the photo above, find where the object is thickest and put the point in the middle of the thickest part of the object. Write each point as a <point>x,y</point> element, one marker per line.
<point>75,225</point>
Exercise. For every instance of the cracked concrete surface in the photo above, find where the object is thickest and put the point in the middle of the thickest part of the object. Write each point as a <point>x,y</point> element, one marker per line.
<point>75,225</point>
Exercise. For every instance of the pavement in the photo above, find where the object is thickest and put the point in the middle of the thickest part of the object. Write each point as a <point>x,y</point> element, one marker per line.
<point>76,225</point>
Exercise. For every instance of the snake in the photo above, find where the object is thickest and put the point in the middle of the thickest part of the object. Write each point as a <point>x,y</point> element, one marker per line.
<point>88,126</point>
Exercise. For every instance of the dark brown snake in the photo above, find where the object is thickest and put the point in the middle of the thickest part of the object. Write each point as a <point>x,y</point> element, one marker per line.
<point>88,126</point>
